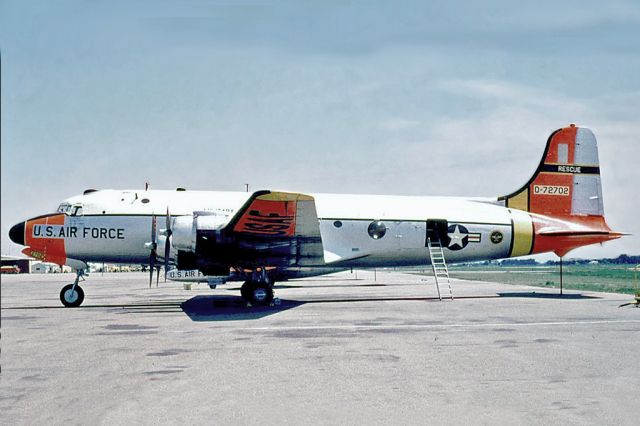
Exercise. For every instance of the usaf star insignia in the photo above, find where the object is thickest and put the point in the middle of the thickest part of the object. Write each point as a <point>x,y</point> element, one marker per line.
<point>458,237</point>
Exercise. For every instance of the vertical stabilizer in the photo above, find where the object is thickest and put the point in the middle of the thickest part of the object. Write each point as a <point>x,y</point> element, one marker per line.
<point>567,181</point>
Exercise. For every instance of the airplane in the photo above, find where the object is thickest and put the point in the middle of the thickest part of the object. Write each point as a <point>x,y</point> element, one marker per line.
<point>270,235</point>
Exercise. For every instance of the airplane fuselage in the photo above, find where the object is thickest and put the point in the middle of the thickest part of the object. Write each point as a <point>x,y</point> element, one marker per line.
<point>113,226</point>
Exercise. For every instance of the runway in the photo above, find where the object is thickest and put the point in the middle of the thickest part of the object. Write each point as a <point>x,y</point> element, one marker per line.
<point>337,350</point>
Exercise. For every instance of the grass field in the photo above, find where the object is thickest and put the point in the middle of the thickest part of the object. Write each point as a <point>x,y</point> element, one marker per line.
<point>607,278</point>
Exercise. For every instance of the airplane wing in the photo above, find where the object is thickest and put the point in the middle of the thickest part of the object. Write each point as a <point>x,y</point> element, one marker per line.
<point>274,229</point>
<point>277,214</point>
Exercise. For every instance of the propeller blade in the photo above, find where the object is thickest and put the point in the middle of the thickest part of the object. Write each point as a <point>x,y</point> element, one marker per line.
<point>168,222</point>
<point>154,246</point>
<point>152,265</point>
<point>167,244</point>
<point>154,232</point>
<point>157,276</point>
<point>167,253</point>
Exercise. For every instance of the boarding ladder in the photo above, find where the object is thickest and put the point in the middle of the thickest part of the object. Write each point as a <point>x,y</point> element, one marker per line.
<point>440,270</point>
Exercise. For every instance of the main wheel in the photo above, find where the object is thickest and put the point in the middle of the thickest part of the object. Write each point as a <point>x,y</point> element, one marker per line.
<point>245,291</point>
<point>257,293</point>
<point>261,294</point>
<point>71,297</point>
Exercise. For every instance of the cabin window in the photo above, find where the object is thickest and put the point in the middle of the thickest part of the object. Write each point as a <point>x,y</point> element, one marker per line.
<point>377,229</point>
<point>337,224</point>
<point>144,200</point>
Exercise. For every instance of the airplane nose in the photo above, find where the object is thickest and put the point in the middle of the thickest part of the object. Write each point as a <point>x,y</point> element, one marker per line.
<point>16,233</point>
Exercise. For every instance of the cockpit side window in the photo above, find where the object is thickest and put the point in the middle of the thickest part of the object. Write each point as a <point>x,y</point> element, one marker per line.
<point>64,208</point>
<point>70,210</point>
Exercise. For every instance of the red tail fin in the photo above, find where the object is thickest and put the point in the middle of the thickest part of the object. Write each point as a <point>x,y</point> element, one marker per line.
<point>567,181</point>
<point>564,195</point>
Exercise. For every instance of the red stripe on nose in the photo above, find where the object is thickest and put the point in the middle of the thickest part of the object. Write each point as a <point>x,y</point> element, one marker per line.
<point>42,241</point>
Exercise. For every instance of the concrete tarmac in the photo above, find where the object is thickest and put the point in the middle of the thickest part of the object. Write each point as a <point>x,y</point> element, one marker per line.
<point>338,350</point>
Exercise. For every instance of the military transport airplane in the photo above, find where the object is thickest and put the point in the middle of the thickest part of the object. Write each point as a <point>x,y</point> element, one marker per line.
<point>270,236</point>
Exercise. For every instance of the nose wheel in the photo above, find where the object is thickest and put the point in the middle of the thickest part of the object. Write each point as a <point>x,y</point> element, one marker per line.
<point>72,295</point>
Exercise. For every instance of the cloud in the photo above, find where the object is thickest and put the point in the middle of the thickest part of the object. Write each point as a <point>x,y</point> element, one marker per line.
<point>510,94</point>
<point>397,123</point>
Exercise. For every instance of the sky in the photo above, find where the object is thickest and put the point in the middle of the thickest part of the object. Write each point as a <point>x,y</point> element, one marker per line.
<point>398,97</point>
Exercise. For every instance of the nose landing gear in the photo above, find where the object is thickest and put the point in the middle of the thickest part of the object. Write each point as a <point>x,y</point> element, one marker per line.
<point>72,295</point>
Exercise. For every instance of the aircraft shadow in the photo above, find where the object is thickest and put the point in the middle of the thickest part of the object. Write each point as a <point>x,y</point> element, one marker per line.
<point>570,296</point>
<point>233,308</point>
<point>230,308</point>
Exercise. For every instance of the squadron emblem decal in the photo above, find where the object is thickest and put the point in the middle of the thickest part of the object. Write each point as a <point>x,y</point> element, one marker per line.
<point>496,237</point>
<point>459,236</point>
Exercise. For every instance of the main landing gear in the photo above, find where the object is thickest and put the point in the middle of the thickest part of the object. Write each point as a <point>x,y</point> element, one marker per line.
<point>258,290</point>
<point>72,295</point>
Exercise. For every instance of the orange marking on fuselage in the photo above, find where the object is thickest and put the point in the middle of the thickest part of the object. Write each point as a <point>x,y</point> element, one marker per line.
<point>569,232</point>
<point>43,241</point>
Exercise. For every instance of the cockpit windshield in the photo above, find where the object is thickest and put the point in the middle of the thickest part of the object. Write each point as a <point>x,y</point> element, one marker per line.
<point>70,209</point>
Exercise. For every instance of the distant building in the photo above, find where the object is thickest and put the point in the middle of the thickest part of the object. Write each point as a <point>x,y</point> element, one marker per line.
<point>14,264</point>
<point>39,268</point>
<point>49,268</point>
<point>25,265</point>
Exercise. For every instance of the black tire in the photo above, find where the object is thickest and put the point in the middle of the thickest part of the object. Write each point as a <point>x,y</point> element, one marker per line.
<point>245,291</point>
<point>258,294</point>
<point>261,294</point>
<point>71,299</point>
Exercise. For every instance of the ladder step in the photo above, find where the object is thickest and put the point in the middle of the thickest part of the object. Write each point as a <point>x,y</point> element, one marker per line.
<point>440,270</point>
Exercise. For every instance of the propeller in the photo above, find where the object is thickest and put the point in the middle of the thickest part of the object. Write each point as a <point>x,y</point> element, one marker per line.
<point>153,245</point>
<point>167,244</point>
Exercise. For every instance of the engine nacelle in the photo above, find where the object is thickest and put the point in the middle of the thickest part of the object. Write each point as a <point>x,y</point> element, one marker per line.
<point>183,235</point>
<point>187,228</point>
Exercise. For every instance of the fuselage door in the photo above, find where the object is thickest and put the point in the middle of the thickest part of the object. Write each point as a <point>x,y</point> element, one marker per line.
<point>437,231</point>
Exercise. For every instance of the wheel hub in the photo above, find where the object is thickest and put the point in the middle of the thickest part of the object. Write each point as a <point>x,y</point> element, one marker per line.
<point>71,295</point>
<point>260,294</point>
